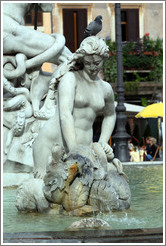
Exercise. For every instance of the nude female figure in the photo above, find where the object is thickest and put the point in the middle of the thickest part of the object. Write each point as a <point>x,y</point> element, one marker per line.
<point>81,96</point>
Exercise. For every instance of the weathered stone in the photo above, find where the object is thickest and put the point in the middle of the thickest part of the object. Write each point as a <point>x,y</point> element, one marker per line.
<point>78,195</point>
<point>89,223</point>
<point>27,96</point>
<point>111,194</point>
<point>84,211</point>
<point>56,209</point>
<point>30,197</point>
<point>48,121</point>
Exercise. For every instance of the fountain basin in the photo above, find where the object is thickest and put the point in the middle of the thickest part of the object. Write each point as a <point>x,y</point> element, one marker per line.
<point>146,211</point>
<point>77,237</point>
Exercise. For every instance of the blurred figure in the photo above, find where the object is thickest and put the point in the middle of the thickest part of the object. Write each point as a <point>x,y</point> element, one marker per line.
<point>151,152</point>
<point>147,143</point>
<point>130,145</point>
<point>146,147</point>
<point>131,148</point>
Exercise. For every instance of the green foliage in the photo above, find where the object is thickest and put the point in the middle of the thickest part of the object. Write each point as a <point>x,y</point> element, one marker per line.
<point>111,45</point>
<point>152,45</point>
<point>144,101</point>
<point>138,62</point>
<point>146,54</point>
<point>110,65</point>
<point>131,85</point>
<point>127,48</point>
<point>157,73</point>
<point>140,78</point>
<point>158,45</point>
<point>110,70</point>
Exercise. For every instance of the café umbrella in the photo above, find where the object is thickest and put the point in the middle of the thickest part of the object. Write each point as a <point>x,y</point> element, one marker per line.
<point>154,110</point>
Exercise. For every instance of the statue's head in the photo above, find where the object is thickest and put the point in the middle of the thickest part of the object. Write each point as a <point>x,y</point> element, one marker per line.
<point>93,45</point>
<point>90,46</point>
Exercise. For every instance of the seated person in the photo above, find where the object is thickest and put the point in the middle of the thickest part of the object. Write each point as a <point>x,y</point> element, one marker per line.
<point>130,145</point>
<point>152,149</point>
<point>131,148</point>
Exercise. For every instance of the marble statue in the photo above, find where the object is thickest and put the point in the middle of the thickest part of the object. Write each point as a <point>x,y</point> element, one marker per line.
<point>48,121</point>
<point>27,44</point>
<point>28,101</point>
<point>81,96</point>
<point>78,174</point>
<point>77,183</point>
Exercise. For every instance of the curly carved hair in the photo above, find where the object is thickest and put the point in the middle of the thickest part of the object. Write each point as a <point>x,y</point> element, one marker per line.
<point>92,45</point>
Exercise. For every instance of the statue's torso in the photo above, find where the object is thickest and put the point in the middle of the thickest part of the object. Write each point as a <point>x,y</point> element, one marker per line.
<point>89,101</point>
<point>89,95</point>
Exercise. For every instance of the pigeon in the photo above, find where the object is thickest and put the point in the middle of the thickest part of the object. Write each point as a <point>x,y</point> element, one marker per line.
<point>94,27</point>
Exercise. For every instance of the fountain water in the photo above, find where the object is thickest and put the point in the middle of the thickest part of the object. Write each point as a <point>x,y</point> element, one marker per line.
<point>146,209</point>
<point>52,136</point>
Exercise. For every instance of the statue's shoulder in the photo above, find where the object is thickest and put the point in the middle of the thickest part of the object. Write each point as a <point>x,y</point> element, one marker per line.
<point>69,75</point>
<point>107,89</point>
<point>68,79</point>
<point>106,85</point>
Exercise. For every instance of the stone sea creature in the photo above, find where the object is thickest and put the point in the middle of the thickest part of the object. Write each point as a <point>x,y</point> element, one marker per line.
<point>67,183</point>
<point>110,194</point>
<point>30,197</point>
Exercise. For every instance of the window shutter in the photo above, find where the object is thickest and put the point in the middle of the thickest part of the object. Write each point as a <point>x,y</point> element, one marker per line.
<point>68,28</point>
<point>74,24</point>
<point>82,24</point>
<point>133,24</point>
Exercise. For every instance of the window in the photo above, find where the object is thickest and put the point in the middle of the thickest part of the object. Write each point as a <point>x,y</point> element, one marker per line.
<point>30,19</point>
<point>130,24</point>
<point>74,24</point>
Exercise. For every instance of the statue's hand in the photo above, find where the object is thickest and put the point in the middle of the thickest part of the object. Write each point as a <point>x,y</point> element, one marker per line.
<point>108,150</point>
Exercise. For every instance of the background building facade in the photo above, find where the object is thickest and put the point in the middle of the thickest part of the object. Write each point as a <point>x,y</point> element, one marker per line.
<point>137,19</point>
<point>70,19</point>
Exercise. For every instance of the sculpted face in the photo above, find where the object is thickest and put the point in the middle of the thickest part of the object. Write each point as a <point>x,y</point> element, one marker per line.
<point>92,64</point>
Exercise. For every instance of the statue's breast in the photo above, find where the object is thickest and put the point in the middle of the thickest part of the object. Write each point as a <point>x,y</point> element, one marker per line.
<point>88,95</point>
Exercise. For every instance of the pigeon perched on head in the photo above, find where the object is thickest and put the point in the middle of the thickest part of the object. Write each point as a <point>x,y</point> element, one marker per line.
<point>94,27</point>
